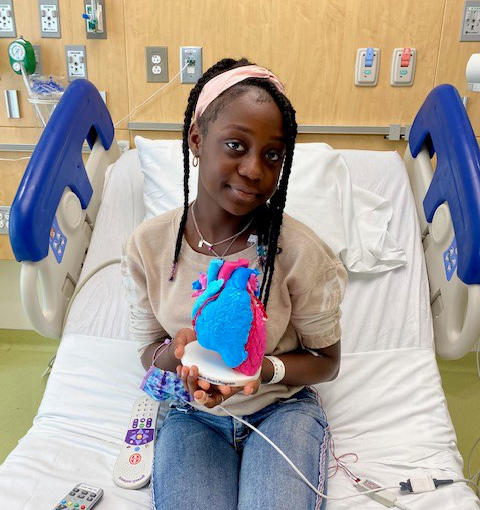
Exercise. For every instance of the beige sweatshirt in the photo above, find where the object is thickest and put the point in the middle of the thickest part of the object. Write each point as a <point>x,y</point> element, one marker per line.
<point>303,308</point>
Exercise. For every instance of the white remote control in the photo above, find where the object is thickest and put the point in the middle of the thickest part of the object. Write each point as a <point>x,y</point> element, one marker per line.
<point>134,464</point>
<point>82,497</point>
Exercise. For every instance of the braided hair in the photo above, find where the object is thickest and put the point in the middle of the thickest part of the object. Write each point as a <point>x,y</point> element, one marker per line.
<point>268,218</point>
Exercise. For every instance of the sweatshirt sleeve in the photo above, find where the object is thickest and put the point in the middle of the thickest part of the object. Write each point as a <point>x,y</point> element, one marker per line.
<point>317,288</point>
<point>144,325</point>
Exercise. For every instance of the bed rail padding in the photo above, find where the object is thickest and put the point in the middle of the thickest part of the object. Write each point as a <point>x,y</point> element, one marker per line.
<point>442,125</point>
<point>57,164</point>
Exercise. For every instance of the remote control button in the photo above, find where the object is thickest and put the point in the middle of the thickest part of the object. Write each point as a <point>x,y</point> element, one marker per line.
<point>64,501</point>
<point>75,490</point>
<point>76,505</point>
<point>92,495</point>
<point>81,496</point>
<point>82,507</point>
<point>72,494</point>
<point>89,499</point>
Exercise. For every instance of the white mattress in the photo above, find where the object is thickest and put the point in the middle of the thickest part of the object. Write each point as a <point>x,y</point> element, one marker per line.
<point>387,404</point>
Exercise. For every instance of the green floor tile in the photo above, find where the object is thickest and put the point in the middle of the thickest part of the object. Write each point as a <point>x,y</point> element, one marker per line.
<point>24,355</point>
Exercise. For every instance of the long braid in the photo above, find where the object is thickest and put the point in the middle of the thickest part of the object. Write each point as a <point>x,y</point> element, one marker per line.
<point>218,68</point>
<point>268,218</point>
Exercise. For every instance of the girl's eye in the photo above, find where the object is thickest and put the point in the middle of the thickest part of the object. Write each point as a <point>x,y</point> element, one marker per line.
<point>274,156</point>
<point>236,146</point>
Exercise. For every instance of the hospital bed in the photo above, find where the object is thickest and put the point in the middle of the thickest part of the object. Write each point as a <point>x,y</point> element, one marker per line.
<point>386,405</point>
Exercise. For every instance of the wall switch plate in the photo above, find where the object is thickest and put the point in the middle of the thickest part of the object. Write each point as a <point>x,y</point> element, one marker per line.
<point>367,67</point>
<point>11,104</point>
<point>191,57</point>
<point>470,30</point>
<point>38,59</point>
<point>49,13</point>
<point>76,62</point>
<point>7,20</point>
<point>4,219</point>
<point>403,67</point>
<point>96,29</point>
<point>157,64</point>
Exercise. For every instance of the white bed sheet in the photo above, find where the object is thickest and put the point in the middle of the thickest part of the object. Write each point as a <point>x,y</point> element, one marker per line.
<point>387,404</point>
<point>81,423</point>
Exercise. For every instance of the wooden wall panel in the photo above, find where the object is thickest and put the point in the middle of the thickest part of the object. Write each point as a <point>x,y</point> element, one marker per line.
<point>310,45</point>
<point>453,56</point>
<point>106,65</point>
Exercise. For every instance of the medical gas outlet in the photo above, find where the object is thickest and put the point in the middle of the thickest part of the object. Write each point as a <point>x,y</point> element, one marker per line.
<point>95,20</point>
<point>403,67</point>
<point>367,67</point>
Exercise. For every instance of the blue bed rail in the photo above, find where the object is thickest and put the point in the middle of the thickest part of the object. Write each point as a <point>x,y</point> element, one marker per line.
<point>443,126</point>
<point>57,163</point>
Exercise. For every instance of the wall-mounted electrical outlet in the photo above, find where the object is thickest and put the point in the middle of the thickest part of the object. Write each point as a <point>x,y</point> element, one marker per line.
<point>95,19</point>
<point>470,30</point>
<point>76,62</point>
<point>49,18</point>
<point>7,20</point>
<point>4,219</point>
<point>157,63</point>
<point>38,59</point>
<point>191,60</point>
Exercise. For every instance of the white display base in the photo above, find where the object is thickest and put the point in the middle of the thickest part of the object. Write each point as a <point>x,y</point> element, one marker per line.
<point>212,368</point>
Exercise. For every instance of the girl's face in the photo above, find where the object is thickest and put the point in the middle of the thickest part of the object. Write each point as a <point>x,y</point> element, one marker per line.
<point>241,155</point>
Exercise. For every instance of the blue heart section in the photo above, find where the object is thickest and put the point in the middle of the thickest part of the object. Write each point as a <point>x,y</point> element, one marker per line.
<point>223,324</point>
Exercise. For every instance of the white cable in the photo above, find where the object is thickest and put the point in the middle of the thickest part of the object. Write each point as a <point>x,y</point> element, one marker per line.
<point>469,467</point>
<point>15,159</point>
<point>150,97</point>
<point>80,285</point>
<point>295,467</point>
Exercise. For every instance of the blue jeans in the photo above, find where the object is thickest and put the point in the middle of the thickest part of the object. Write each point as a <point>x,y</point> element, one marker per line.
<point>208,462</point>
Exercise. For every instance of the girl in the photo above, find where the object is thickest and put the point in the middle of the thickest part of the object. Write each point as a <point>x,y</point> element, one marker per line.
<point>241,129</point>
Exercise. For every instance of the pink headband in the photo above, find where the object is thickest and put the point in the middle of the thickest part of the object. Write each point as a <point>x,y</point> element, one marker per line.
<point>224,81</point>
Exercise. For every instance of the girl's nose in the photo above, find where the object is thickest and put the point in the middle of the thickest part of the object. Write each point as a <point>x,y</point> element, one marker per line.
<point>251,167</point>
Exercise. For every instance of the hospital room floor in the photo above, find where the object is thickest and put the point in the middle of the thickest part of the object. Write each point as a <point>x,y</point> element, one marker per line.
<point>24,356</point>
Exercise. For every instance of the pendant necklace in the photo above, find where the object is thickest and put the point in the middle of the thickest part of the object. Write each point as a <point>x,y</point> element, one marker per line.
<point>210,246</point>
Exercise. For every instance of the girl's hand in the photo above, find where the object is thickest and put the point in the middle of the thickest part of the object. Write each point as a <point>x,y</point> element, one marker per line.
<point>182,338</point>
<point>203,392</point>
<point>211,395</point>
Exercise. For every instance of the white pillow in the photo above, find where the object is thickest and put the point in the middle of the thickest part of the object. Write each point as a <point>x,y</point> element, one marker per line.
<point>320,194</point>
<point>162,167</point>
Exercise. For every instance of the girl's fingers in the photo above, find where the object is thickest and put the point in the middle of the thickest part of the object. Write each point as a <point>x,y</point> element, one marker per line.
<point>205,385</point>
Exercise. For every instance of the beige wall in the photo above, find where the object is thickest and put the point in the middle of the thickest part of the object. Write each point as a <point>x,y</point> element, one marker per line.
<point>311,45</point>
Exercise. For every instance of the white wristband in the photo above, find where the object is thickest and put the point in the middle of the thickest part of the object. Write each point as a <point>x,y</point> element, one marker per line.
<point>278,369</point>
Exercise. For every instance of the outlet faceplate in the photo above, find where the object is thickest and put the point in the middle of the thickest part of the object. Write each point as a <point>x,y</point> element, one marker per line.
<point>49,18</point>
<point>470,30</point>
<point>76,62</point>
<point>191,57</point>
<point>7,20</point>
<point>4,219</point>
<point>157,63</point>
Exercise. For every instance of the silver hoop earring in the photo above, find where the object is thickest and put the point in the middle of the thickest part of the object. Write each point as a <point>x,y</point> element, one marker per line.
<point>195,160</point>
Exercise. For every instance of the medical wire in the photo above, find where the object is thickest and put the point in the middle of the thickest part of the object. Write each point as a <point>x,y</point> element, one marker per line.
<point>150,97</point>
<point>124,118</point>
<point>321,494</point>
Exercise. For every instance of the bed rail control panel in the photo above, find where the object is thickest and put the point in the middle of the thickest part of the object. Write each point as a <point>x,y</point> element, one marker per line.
<point>57,202</point>
<point>448,207</point>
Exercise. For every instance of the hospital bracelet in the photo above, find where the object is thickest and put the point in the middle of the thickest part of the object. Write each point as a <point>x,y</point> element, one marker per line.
<point>278,369</point>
